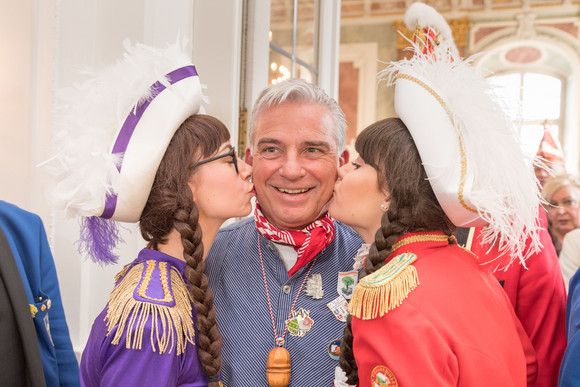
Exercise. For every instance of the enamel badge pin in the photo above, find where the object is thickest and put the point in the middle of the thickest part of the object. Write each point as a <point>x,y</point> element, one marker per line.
<point>384,377</point>
<point>299,323</point>
<point>314,287</point>
<point>334,349</point>
<point>346,283</point>
<point>361,255</point>
<point>339,308</point>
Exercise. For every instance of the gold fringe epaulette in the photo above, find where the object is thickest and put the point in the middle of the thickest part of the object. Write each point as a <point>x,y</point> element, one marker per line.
<point>385,289</point>
<point>171,316</point>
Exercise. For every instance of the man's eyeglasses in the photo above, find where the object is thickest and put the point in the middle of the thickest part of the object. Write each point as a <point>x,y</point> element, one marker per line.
<point>231,153</point>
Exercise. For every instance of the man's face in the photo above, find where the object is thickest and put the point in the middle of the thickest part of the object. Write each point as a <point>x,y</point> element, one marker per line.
<point>295,163</point>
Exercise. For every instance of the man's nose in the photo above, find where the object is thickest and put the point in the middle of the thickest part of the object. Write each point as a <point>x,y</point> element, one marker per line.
<point>292,166</point>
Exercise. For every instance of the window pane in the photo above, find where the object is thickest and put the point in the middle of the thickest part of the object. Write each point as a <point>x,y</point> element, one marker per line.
<point>507,90</point>
<point>541,97</point>
<point>530,136</point>
<point>293,43</point>
<point>280,67</point>
<point>305,73</point>
<point>281,23</point>
<point>306,30</point>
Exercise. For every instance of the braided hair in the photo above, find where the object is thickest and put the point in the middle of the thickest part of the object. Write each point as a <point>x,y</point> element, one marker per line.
<point>388,147</point>
<point>170,206</point>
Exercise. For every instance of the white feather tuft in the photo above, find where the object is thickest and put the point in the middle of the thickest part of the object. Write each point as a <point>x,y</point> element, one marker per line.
<point>89,116</point>
<point>422,15</point>
<point>505,189</point>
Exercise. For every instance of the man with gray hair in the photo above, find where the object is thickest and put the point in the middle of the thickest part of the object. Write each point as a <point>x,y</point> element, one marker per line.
<point>282,279</point>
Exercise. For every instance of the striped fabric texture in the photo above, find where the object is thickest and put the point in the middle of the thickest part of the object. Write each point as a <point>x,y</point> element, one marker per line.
<point>235,276</point>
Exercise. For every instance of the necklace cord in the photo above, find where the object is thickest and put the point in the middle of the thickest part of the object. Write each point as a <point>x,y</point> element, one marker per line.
<point>280,341</point>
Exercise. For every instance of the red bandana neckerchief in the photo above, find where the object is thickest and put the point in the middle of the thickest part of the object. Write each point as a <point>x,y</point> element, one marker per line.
<point>307,242</point>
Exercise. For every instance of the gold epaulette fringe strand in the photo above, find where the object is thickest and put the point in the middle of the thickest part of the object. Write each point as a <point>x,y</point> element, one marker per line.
<point>385,289</point>
<point>170,325</point>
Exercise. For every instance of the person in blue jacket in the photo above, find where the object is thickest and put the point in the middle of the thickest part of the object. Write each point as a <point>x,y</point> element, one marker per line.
<point>36,349</point>
<point>569,370</point>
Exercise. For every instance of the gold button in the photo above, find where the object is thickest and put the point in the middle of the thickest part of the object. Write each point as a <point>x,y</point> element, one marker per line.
<point>286,289</point>
<point>43,308</point>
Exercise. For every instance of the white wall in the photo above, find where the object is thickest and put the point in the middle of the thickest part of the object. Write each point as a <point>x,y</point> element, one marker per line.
<point>43,42</point>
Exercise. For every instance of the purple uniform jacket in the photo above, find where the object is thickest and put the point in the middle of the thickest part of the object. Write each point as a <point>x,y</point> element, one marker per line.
<point>145,336</point>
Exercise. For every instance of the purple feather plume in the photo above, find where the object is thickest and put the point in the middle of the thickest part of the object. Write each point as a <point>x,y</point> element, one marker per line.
<point>98,238</point>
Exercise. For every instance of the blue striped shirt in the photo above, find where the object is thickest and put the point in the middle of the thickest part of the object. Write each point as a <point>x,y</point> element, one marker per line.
<point>236,279</point>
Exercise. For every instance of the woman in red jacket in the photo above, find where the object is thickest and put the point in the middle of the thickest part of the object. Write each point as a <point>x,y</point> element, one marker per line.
<point>426,313</point>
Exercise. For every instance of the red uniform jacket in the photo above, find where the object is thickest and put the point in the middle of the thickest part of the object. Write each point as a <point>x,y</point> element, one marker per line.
<point>538,296</point>
<point>456,328</point>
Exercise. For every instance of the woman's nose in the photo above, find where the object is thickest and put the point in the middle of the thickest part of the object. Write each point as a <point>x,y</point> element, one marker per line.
<point>245,169</point>
<point>345,169</point>
<point>559,209</point>
<point>342,171</point>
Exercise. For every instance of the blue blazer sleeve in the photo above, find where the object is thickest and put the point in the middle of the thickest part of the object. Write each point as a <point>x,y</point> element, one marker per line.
<point>27,237</point>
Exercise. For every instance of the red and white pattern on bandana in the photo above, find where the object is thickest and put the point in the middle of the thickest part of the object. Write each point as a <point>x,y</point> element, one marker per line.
<point>307,242</point>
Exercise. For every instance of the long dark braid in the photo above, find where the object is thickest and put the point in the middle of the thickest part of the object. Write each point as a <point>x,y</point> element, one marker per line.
<point>170,206</point>
<point>388,146</point>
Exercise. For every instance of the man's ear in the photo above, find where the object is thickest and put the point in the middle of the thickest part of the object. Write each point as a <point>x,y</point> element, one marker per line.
<point>344,157</point>
<point>249,158</point>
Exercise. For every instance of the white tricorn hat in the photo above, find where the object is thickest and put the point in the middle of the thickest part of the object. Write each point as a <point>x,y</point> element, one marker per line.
<point>467,143</point>
<point>114,129</point>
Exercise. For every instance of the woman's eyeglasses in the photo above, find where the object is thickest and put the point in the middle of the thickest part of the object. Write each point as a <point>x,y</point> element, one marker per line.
<point>231,153</point>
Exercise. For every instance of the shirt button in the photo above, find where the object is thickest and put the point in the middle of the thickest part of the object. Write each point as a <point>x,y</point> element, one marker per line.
<point>271,247</point>
<point>286,289</point>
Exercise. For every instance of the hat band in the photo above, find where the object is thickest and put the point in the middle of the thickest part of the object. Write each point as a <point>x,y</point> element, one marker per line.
<point>122,141</point>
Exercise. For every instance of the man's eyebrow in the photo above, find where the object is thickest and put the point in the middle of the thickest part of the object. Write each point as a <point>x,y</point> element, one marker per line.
<point>273,141</point>
<point>266,140</point>
<point>323,144</point>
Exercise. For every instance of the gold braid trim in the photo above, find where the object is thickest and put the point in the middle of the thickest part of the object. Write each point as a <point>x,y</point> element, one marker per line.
<point>421,238</point>
<point>171,326</point>
<point>385,289</point>
<point>122,273</point>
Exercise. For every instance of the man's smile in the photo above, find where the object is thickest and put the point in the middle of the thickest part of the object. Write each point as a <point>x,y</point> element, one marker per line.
<point>293,191</point>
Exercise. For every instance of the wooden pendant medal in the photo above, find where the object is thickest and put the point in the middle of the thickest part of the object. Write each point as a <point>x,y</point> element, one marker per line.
<point>278,367</point>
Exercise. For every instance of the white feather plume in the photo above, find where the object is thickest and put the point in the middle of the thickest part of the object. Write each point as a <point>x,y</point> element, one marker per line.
<point>505,189</point>
<point>422,15</point>
<point>89,116</point>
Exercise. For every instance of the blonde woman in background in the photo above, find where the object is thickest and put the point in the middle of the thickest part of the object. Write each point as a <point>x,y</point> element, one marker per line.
<point>562,193</point>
